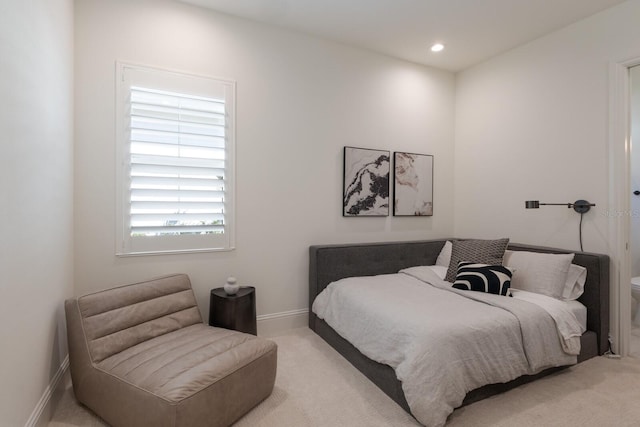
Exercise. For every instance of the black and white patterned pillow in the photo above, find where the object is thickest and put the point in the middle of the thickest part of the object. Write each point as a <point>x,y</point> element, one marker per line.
<point>475,250</point>
<point>493,279</point>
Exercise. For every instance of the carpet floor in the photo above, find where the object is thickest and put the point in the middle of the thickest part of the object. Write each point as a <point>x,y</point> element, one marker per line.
<point>317,387</point>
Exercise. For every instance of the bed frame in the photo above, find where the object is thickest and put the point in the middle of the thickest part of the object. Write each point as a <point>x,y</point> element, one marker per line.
<point>328,263</point>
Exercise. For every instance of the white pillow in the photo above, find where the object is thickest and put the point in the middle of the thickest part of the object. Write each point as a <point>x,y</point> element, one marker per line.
<point>419,271</point>
<point>542,273</point>
<point>440,270</point>
<point>574,286</point>
<point>445,255</point>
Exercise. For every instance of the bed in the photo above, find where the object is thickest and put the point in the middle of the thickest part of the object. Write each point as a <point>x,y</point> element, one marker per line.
<point>329,263</point>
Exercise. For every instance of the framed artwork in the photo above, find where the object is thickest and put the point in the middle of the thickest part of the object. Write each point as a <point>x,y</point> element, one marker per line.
<point>366,182</point>
<point>412,184</point>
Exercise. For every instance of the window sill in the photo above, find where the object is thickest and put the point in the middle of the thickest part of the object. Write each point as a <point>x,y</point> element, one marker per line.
<point>173,252</point>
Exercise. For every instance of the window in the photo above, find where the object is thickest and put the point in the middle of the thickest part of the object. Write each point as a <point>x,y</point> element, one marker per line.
<point>176,156</point>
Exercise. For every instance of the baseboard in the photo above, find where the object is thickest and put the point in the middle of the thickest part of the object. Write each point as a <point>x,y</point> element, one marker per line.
<point>277,323</point>
<point>44,406</point>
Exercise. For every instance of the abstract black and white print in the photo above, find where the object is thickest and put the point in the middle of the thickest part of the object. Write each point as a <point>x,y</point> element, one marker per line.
<point>366,182</point>
<point>413,185</point>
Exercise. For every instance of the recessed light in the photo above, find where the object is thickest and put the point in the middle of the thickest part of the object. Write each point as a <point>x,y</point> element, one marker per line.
<point>437,47</point>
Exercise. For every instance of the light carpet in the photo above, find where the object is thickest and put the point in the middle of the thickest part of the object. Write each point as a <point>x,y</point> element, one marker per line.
<point>315,386</point>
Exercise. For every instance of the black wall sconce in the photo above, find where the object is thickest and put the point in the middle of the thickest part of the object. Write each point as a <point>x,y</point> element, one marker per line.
<point>580,206</point>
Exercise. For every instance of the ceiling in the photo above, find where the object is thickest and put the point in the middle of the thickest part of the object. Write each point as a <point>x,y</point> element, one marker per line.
<point>471,30</point>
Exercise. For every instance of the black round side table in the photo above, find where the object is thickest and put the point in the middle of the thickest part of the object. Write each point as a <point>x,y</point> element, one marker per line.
<point>237,312</point>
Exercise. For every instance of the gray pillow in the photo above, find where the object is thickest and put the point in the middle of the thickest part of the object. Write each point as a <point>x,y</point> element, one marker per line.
<point>476,251</point>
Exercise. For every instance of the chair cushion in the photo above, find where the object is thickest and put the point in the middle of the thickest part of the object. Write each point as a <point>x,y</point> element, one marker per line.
<point>176,365</point>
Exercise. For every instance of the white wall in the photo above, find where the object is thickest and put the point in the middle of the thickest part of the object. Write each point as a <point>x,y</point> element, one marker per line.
<point>299,101</point>
<point>36,189</point>
<point>532,124</point>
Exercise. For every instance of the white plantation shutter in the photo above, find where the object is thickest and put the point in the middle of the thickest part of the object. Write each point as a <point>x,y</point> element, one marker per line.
<point>177,187</point>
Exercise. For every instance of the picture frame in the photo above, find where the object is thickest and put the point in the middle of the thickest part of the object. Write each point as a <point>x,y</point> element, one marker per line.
<point>412,184</point>
<point>365,182</point>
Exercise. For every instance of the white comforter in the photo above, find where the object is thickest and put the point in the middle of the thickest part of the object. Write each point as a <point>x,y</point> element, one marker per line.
<point>443,342</point>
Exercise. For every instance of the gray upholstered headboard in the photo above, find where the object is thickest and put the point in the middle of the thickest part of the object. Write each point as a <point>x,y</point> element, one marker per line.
<point>328,263</point>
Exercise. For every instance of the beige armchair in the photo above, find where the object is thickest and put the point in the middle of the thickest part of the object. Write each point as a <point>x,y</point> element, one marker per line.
<point>140,355</point>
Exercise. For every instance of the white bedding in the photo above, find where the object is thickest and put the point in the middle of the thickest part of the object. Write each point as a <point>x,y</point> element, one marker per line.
<point>576,307</point>
<point>443,342</point>
<point>578,310</point>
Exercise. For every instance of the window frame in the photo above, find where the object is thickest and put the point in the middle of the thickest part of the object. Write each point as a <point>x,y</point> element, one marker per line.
<point>127,75</point>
